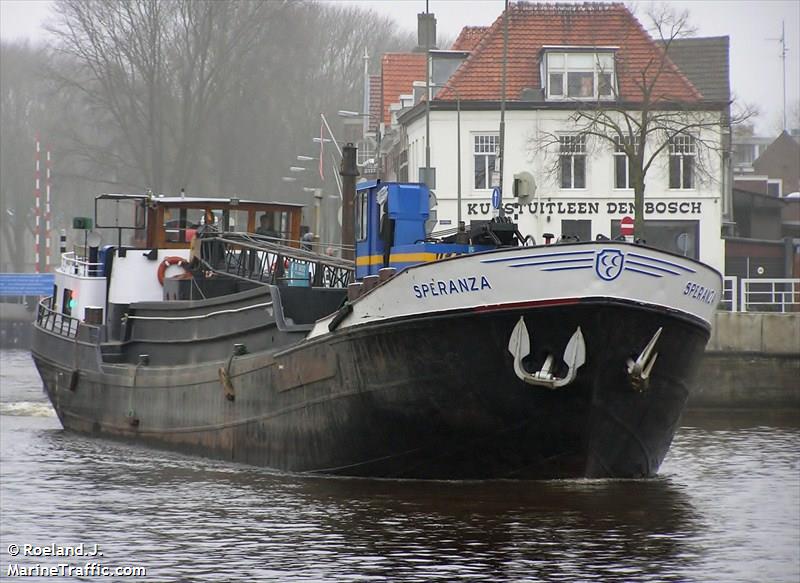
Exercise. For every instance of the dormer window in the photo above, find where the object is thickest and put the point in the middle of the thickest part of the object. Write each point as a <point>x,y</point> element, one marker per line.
<point>579,74</point>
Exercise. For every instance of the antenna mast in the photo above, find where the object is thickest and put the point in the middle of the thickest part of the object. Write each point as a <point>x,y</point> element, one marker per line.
<point>784,50</point>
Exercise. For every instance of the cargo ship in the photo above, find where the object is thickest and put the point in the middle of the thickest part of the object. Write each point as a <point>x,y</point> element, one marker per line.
<point>470,355</point>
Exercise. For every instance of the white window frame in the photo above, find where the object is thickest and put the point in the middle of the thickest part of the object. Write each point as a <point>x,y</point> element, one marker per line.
<point>563,61</point>
<point>619,152</point>
<point>681,148</point>
<point>362,215</point>
<point>484,144</point>
<point>572,146</point>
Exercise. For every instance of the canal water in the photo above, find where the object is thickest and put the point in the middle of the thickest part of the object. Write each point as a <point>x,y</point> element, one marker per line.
<point>726,507</point>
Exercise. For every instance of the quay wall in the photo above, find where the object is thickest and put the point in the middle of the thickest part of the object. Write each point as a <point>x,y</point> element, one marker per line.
<point>752,361</point>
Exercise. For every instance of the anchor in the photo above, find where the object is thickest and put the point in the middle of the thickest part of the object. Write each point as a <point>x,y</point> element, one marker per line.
<point>519,345</point>
<point>639,370</point>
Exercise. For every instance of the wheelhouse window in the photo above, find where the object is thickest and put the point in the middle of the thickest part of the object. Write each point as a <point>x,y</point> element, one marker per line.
<point>362,215</point>
<point>572,161</point>
<point>682,158</point>
<point>579,75</point>
<point>622,164</point>
<point>485,156</point>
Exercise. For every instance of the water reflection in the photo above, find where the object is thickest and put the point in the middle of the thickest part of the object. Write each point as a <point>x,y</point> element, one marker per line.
<point>186,516</point>
<point>726,508</point>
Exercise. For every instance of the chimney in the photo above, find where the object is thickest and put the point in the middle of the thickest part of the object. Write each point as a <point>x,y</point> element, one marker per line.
<point>426,31</point>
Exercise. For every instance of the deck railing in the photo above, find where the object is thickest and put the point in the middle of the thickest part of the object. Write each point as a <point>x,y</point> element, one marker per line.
<point>49,319</point>
<point>75,265</point>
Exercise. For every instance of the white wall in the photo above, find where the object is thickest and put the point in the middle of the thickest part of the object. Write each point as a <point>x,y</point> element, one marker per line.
<point>134,278</point>
<point>599,202</point>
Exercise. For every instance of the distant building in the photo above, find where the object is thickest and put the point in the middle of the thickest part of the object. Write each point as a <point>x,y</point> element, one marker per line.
<point>766,210</point>
<point>561,56</point>
<point>781,161</point>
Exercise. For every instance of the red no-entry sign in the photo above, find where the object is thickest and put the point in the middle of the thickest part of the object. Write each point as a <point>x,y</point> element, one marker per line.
<point>626,226</point>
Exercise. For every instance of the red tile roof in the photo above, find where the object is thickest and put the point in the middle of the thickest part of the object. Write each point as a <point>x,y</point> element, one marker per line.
<point>532,26</point>
<point>468,38</point>
<point>399,71</point>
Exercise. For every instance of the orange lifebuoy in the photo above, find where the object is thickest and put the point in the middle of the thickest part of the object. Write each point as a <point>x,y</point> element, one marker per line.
<point>171,260</point>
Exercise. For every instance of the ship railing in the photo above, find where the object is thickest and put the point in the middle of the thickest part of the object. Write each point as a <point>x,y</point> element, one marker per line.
<point>769,295</point>
<point>73,264</point>
<point>49,319</point>
<point>265,260</point>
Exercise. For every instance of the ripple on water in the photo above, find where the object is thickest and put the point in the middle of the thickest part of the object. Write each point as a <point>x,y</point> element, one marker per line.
<point>725,508</point>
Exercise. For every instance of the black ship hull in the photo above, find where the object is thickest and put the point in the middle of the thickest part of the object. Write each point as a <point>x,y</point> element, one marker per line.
<point>430,396</point>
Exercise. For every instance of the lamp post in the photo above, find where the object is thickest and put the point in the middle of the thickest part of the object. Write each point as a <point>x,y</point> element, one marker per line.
<point>458,143</point>
<point>346,113</point>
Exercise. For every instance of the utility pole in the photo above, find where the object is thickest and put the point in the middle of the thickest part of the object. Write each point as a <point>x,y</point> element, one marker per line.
<point>503,106</point>
<point>365,105</point>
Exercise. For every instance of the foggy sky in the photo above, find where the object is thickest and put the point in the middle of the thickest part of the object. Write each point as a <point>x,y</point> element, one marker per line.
<point>755,59</point>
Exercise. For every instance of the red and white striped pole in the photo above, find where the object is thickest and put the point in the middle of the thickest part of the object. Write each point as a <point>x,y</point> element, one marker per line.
<point>37,194</point>
<point>47,212</point>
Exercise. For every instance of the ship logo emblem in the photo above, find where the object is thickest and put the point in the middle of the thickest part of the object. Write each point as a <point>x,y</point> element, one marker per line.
<point>608,264</point>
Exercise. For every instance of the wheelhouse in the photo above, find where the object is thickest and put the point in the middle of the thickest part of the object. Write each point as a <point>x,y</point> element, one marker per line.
<point>172,222</point>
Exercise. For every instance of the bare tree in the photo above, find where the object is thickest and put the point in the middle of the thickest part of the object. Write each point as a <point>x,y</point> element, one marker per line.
<point>21,113</point>
<point>155,71</point>
<point>310,61</point>
<point>643,116</point>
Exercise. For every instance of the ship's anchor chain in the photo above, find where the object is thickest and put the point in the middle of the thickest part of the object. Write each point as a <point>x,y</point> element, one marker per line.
<point>519,345</point>
<point>639,369</point>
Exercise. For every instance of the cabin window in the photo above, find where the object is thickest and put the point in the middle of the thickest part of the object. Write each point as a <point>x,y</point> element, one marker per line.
<point>275,225</point>
<point>66,302</point>
<point>237,221</point>
<point>579,75</point>
<point>572,161</point>
<point>181,224</point>
<point>484,157</point>
<point>362,215</point>
<point>682,157</point>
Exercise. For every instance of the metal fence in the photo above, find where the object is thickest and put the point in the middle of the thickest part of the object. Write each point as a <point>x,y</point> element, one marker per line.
<point>751,294</point>
<point>769,295</point>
